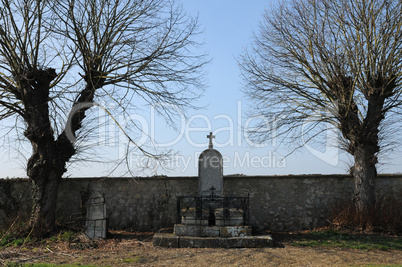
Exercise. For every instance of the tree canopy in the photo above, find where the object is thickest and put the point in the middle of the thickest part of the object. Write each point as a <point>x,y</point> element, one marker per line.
<point>60,58</point>
<point>337,61</point>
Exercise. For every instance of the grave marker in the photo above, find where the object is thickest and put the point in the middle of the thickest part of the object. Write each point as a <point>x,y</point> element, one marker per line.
<point>210,171</point>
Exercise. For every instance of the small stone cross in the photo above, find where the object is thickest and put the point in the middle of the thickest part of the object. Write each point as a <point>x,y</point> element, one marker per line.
<point>212,191</point>
<point>210,136</point>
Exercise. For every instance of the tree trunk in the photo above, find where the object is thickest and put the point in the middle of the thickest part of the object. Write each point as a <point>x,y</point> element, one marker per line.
<point>46,165</point>
<point>44,199</point>
<point>45,170</point>
<point>364,174</point>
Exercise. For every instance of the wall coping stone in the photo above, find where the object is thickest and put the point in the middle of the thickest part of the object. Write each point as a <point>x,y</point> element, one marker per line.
<point>225,177</point>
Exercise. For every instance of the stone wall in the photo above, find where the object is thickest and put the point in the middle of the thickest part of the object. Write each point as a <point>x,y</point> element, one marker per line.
<point>276,202</point>
<point>15,200</point>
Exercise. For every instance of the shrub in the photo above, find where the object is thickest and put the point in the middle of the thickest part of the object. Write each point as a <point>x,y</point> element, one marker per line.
<point>386,216</point>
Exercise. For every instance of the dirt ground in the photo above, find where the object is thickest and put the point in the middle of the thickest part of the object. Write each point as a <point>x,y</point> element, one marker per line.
<point>135,249</point>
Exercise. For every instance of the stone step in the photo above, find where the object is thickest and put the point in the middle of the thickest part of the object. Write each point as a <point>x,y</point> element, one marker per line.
<point>218,222</point>
<point>212,231</point>
<point>174,241</point>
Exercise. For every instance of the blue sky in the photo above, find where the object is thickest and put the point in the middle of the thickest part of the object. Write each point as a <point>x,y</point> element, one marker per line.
<point>228,27</point>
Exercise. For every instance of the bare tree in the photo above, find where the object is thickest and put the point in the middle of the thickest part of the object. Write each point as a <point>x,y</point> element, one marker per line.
<point>337,61</point>
<point>58,58</point>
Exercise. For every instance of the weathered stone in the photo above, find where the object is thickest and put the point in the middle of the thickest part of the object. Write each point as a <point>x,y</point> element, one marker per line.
<point>212,231</point>
<point>234,221</point>
<point>190,220</point>
<point>258,241</point>
<point>210,171</point>
<point>170,241</point>
<point>196,230</point>
<point>263,213</point>
<point>235,231</point>
<point>165,240</point>
<point>96,221</point>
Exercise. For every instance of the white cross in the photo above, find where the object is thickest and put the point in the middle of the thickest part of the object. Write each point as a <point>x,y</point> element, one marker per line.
<point>210,136</point>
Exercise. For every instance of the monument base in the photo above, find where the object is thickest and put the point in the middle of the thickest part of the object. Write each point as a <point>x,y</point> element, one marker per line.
<point>212,231</point>
<point>174,241</point>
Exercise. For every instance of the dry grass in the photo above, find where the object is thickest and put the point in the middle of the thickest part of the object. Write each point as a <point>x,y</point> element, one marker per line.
<point>135,249</point>
<point>386,217</point>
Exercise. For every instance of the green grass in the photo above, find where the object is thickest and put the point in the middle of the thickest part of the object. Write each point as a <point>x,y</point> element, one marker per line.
<point>136,259</point>
<point>333,238</point>
<point>66,235</point>
<point>11,240</point>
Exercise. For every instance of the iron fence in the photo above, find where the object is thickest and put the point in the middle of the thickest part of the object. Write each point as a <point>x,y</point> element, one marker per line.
<point>212,210</point>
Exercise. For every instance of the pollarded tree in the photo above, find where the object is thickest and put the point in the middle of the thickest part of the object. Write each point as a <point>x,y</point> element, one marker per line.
<point>58,58</point>
<point>338,61</point>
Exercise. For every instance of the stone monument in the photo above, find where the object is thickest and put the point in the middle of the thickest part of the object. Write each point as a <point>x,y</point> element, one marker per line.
<point>96,216</point>
<point>211,219</point>
<point>210,171</point>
